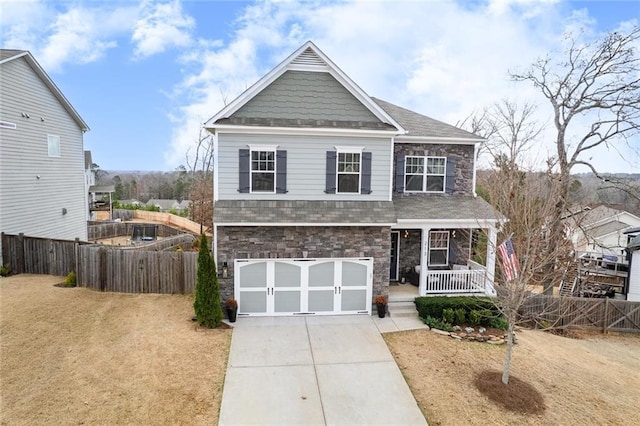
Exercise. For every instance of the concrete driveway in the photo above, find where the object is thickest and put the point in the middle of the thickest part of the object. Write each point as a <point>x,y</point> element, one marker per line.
<point>326,370</point>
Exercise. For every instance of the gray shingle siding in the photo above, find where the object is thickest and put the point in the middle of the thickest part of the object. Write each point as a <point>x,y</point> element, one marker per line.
<point>298,95</point>
<point>29,204</point>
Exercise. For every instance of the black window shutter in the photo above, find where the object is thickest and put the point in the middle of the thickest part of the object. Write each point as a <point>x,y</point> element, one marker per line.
<point>400,172</point>
<point>330,187</point>
<point>365,179</point>
<point>450,182</point>
<point>281,172</point>
<point>244,166</point>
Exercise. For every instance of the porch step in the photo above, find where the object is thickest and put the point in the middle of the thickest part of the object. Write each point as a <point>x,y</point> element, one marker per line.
<point>402,308</point>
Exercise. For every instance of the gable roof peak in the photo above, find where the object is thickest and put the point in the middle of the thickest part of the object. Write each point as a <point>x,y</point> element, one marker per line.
<point>307,57</point>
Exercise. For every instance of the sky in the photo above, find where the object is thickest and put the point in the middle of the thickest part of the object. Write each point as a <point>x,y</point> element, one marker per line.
<point>146,74</point>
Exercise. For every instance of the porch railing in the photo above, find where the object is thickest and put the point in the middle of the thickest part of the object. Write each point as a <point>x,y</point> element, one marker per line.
<point>463,281</point>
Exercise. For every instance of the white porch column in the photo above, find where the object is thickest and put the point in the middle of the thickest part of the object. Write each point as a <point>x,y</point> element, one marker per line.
<point>492,236</point>
<point>424,250</point>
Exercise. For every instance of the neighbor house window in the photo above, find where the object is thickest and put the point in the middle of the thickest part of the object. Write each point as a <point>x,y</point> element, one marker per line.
<point>425,174</point>
<point>348,172</point>
<point>263,171</point>
<point>438,248</point>
<point>53,143</point>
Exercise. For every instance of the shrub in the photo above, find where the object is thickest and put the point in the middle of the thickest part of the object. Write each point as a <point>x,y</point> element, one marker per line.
<point>4,270</point>
<point>433,306</point>
<point>70,281</point>
<point>447,315</point>
<point>499,322</point>
<point>436,323</point>
<point>207,303</point>
<point>474,317</point>
<point>460,316</point>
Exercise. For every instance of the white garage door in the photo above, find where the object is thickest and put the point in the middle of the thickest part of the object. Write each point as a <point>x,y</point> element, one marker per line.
<point>303,286</point>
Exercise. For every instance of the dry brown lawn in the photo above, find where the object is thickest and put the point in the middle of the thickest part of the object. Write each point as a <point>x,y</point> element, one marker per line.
<point>594,380</point>
<point>77,356</point>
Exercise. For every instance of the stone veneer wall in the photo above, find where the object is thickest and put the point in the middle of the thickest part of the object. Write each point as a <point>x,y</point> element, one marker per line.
<point>239,242</point>
<point>464,155</point>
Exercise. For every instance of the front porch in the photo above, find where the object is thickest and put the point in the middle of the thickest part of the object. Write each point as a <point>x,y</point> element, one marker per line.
<point>452,257</point>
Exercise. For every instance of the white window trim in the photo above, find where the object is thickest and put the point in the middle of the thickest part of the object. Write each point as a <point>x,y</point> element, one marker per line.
<point>59,154</point>
<point>348,150</point>
<point>263,148</point>
<point>439,249</point>
<point>425,175</point>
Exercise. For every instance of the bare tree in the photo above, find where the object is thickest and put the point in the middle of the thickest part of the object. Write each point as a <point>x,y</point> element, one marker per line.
<point>596,82</point>
<point>200,165</point>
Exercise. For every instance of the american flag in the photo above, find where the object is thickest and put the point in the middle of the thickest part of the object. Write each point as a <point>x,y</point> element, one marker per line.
<point>508,259</point>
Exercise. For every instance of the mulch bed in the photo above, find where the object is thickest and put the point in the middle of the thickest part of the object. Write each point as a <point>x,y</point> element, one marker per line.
<point>517,396</point>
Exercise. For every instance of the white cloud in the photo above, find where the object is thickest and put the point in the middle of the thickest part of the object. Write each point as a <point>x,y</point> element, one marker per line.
<point>161,25</point>
<point>437,58</point>
<point>77,34</point>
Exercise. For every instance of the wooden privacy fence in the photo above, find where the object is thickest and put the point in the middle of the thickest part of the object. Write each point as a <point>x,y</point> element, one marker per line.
<point>101,230</point>
<point>575,312</point>
<point>128,270</point>
<point>136,271</point>
<point>29,255</point>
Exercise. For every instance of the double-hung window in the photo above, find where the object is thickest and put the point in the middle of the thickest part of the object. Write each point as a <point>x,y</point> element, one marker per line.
<point>263,171</point>
<point>348,172</point>
<point>425,174</point>
<point>438,248</point>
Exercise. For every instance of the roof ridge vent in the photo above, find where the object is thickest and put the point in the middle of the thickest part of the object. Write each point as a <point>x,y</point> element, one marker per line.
<point>309,57</point>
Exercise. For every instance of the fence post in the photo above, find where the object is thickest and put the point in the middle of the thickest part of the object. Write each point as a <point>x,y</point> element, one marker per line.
<point>20,254</point>
<point>606,315</point>
<point>102,266</point>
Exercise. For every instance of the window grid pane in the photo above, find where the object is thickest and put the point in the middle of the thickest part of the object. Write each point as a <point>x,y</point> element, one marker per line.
<point>348,172</point>
<point>263,168</point>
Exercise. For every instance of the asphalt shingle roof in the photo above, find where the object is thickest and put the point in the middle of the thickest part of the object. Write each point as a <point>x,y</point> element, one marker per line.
<point>433,207</point>
<point>292,212</point>
<point>420,125</point>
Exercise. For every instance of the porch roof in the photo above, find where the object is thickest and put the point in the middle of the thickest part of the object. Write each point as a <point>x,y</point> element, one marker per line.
<point>280,212</point>
<point>438,207</point>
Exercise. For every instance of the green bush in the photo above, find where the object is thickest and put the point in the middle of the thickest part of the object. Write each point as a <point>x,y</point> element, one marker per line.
<point>207,303</point>
<point>500,323</point>
<point>460,316</point>
<point>436,323</point>
<point>4,270</point>
<point>70,281</point>
<point>474,317</point>
<point>447,315</point>
<point>433,306</point>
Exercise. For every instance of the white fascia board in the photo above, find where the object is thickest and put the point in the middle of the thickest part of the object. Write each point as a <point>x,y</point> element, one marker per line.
<point>16,56</point>
<point>215,167</point>
<point>341,224</point>
<point>222,128</point>
<point>446,223</point>
<point>444,140</point>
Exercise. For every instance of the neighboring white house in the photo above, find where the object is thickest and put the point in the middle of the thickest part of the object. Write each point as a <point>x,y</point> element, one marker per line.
<point>42,165</point>
<point>601,230</point>
<point>633,279</point>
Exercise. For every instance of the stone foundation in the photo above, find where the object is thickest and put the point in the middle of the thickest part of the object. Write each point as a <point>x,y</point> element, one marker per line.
<point>262,242</point>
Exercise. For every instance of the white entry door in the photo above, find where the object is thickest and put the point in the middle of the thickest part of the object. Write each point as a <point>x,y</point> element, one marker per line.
<point>304,286</point>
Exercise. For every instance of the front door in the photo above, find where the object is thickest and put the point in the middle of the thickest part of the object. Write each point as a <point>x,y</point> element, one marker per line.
<point>393,265</point>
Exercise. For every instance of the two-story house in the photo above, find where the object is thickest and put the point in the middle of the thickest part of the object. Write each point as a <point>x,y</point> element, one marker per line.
<point>42,164</point>
<point>323,195</point>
